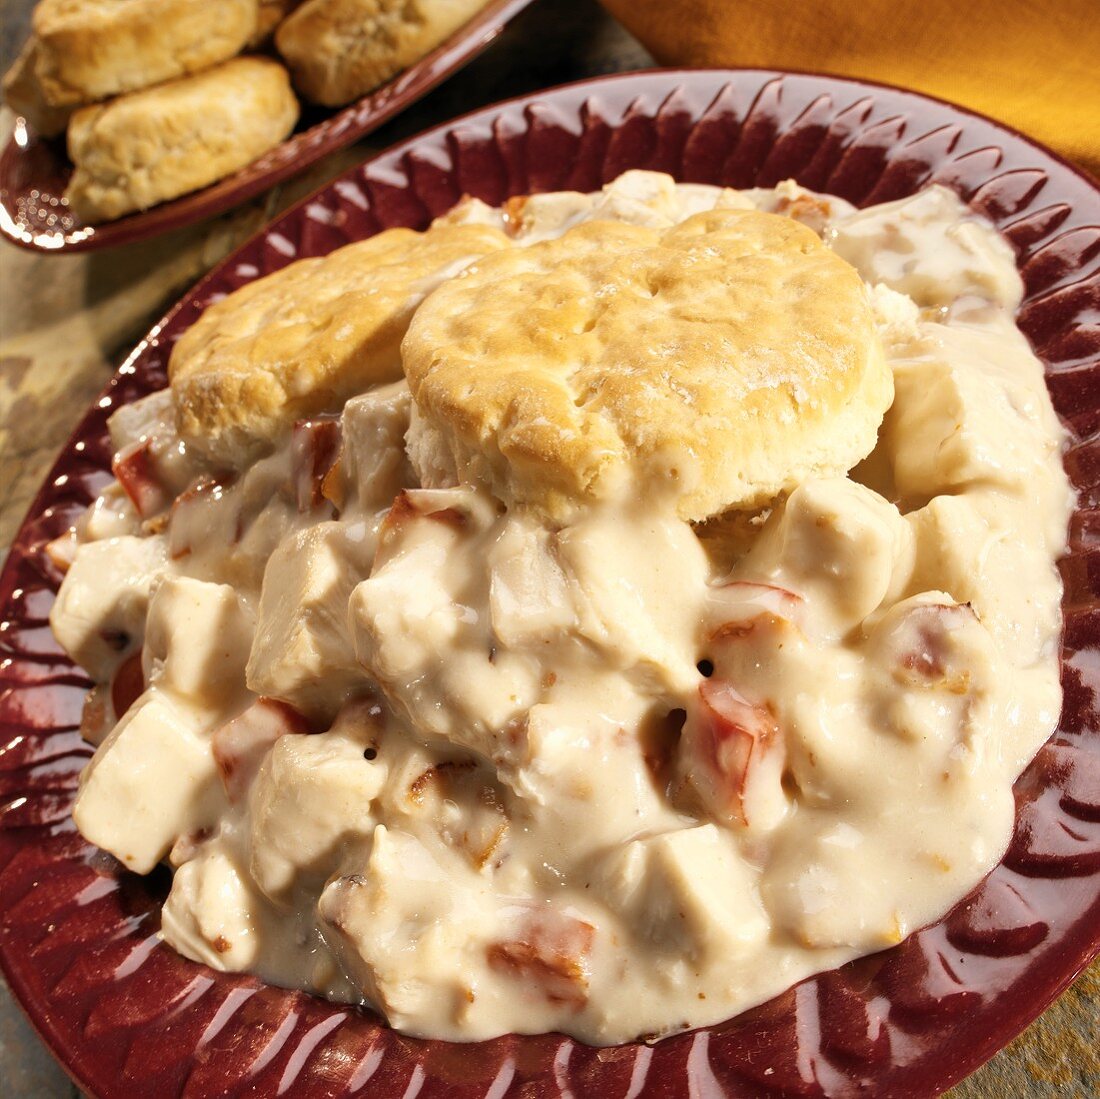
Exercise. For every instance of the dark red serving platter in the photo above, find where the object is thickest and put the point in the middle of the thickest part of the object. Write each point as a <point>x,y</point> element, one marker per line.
<point>128,1017</point>
<point>34,172</point>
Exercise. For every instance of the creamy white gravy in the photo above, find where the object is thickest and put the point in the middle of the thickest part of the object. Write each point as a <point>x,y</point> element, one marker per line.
<point>615,779</point>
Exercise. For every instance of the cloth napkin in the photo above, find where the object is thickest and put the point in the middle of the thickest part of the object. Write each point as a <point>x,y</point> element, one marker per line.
<point>1033,64</point>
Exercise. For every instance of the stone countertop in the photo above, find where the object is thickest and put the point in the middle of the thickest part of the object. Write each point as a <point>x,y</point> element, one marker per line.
<point>66,322</point>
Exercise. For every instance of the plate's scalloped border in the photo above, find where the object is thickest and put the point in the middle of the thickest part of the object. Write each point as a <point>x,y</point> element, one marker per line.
<point>77,936</point>
<point>32,178</point>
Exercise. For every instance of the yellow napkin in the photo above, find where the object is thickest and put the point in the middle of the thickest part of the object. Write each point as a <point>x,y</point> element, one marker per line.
<point>1033,64</point>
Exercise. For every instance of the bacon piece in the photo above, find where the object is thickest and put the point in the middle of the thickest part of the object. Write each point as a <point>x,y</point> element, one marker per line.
<point>241,744</point>
<point>315,447</point>
<point>731,739</point>
<point>549,952</point>
<point>135,470</point>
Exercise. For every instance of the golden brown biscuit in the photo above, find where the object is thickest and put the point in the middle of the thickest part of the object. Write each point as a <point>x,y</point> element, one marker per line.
<point>94,49</point>
<point>144,148</point>
<point>23,94</point>
<point>301,341</point>
<point>722,361</point>
<point>338,50</point>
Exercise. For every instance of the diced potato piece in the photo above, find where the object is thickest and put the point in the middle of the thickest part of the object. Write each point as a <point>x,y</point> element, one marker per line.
<point>149,461</point>
<point>689,892</point>
<point>623,597</point>
<point>951,428</point>
<point>100,610</point>
<point>137,420</point>
<point>110,515</point>
<point>828,892</point>
<point>152,780</point>
<point>529,597</point>
<point>934,672</point>
<point>372,462</point>
<point>457,799</point>
<point>312,795</point>
<point>241,744</point>
<point>210,914</point>
<point>920,246</point>
<point>302,652</point>
<point>836,543</point>
<point>416,630</point>
<point>409,930</point>
<point>960,552</point>
<point>567,745</point>
<point>197,638</point>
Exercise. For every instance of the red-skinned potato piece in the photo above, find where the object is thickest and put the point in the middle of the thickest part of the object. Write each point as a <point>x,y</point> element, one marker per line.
<point>61,551</point>
<point>729,740</point>
<point>241,744</point>
<point>316,449</point>
<point>135,470</point>
<point>549,953</point>
<point>207,487</point>
<point>925,655</point>
<point>745,599</point>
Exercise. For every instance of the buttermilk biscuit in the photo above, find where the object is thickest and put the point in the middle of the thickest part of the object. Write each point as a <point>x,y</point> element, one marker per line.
<point>144,148</point>
<point>722,361</point>
<point>340,49</point>
<point>304,339</point>
<point>94,49</point>
<point>23,93</point>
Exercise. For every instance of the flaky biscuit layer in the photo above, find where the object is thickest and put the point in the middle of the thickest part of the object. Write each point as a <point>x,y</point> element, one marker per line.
<point>722,361</point>
<point>304,339</point>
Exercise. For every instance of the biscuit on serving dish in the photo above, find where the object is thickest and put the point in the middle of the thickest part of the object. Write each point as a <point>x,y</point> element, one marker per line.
<point>145,148</point>
<point>338,50</point>
<point>303,339</point>
<point>723,361</point>
<point>23,93</point>
<point>94,49</point>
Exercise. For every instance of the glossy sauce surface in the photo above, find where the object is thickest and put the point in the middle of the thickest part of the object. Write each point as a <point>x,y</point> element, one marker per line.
<point>525,782</point>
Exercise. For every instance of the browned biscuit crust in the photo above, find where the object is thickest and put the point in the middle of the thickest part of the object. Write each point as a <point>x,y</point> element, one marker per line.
<point>722,361</point>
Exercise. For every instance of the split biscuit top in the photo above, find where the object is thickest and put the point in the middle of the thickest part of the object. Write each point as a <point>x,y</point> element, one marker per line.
<point>721,361</point>
<point>94,49</point>
<point>304,339</point>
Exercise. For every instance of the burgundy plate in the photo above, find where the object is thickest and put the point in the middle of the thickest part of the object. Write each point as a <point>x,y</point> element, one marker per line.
<point>127,1016</point>
<point>34,172</point>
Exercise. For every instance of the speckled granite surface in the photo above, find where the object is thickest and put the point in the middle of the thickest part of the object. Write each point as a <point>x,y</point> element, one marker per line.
<point>67,322</point>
